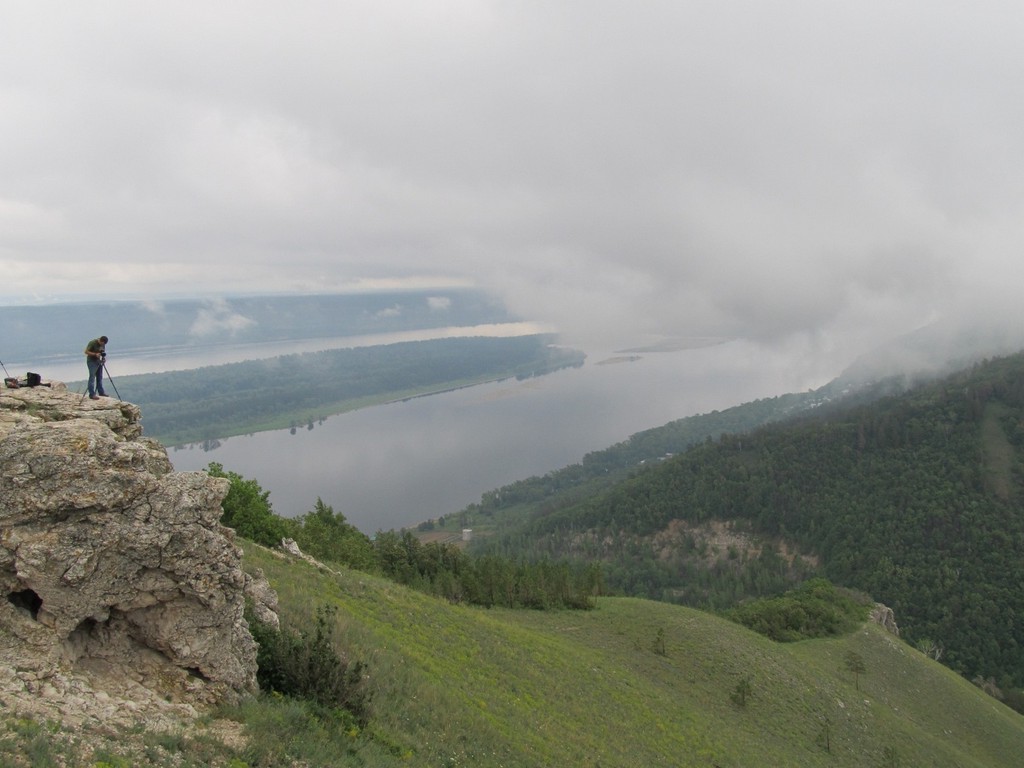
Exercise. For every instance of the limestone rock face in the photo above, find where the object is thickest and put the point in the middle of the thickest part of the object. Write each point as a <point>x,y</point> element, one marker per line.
<point>122,595</point>
<point>883,615</point>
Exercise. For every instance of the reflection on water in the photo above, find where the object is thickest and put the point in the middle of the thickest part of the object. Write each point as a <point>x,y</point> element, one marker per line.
<point>395,465</point>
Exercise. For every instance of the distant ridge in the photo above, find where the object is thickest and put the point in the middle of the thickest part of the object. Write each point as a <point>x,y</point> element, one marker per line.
<point>35,333</point>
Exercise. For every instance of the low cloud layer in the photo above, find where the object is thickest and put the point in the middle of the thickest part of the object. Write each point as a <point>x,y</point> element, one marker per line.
<point>218,319</point>
<point>815,176</point>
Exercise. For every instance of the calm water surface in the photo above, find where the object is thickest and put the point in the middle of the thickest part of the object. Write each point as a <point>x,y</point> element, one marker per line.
<point>396,465</point>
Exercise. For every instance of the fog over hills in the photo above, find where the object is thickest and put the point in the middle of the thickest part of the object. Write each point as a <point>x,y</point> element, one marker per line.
<point>938,348</point>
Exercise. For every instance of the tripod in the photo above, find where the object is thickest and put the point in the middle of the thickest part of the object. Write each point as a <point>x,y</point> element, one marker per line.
<point>110,378</point>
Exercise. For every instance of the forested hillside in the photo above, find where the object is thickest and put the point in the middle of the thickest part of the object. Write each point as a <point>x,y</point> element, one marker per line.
<point>915,499</point>
<point>600,469</point>
<point>603,468</point>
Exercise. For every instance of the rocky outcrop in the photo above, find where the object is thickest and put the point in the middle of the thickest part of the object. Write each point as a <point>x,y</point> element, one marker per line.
<point>122,595</point>
<point>884,616</point>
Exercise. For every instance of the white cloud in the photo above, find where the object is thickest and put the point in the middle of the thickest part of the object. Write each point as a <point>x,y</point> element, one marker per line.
<point>783,171</point>
<point>219,319</point>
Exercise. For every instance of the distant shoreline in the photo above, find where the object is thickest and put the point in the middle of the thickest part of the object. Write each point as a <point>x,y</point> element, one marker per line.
<point>288,392</point>
<point>678,344</point>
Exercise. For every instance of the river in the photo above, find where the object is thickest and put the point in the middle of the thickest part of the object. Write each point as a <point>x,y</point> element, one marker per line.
<point>395,465</point>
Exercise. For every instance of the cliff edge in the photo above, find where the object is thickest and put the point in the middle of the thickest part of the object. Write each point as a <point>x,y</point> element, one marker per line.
<point>122,595</point>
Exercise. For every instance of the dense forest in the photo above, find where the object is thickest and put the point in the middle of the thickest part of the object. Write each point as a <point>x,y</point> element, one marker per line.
<point>605,467</point>
<point>238,398</point>
<point>913,498</point>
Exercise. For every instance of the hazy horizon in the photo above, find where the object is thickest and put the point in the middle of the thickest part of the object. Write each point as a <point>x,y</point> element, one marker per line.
<point>817,178</point>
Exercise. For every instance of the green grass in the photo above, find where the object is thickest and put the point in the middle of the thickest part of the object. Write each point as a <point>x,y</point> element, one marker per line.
<point>632,683</point>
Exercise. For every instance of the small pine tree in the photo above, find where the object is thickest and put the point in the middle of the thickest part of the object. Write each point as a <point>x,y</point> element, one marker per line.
<point>743,690</point>
<point>305,665</point>
<point>659,642</point>
<point>855,664</point>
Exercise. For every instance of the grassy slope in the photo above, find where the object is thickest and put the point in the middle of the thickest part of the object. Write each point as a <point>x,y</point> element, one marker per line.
<point>463,686</point>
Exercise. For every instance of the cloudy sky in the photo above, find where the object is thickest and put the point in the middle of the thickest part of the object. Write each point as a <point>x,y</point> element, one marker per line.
<point>814,174</point>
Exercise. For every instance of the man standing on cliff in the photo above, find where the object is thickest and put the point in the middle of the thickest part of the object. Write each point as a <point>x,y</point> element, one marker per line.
<point>95,354</point>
